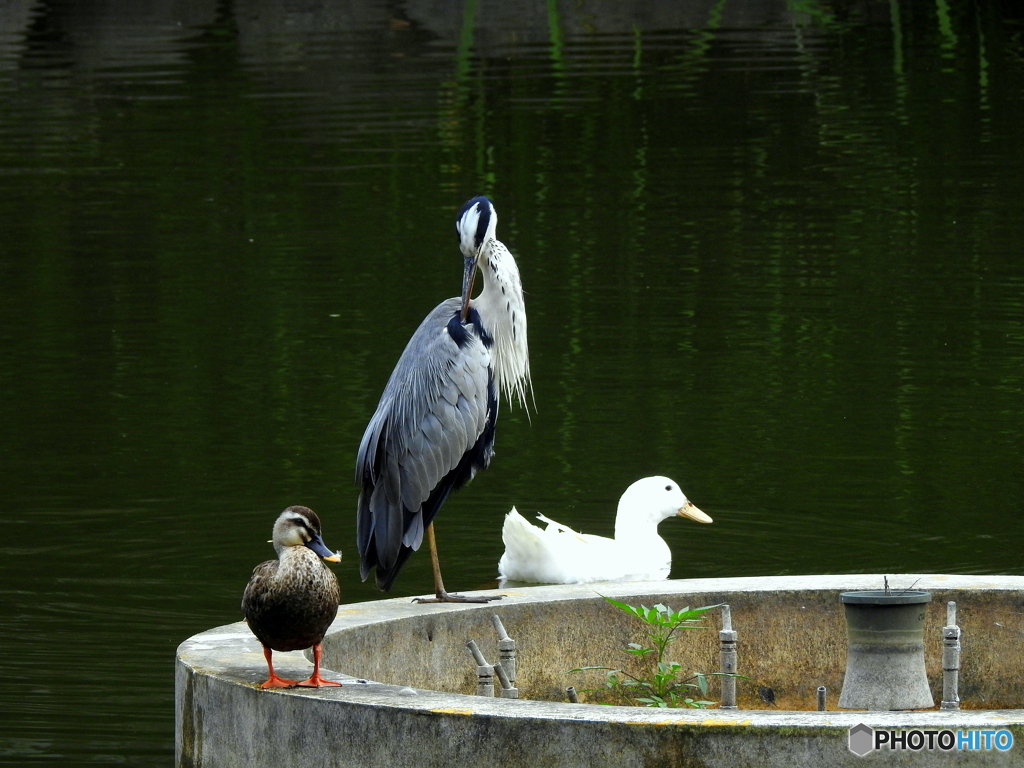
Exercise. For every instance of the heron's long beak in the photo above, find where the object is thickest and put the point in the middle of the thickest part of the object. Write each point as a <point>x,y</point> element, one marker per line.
<point>318,546</point>
<point>690,511</point>
<point>468,277</point>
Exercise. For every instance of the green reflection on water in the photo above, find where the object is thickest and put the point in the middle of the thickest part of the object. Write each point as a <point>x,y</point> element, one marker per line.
<point>776,257</point>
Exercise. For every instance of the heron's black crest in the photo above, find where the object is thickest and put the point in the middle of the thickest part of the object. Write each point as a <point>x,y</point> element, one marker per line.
<point>484,208</point>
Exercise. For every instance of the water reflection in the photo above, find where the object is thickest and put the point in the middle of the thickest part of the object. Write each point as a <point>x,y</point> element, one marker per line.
<point>770,253</point>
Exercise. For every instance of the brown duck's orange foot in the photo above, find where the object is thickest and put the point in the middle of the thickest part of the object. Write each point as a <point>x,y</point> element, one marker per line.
<point>279,682</point>
<point>448,597</point>
<point>274,681</point>
<point>315,681</point>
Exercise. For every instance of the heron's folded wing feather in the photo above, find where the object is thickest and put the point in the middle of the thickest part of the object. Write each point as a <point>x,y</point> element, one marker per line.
<point>431,413</point>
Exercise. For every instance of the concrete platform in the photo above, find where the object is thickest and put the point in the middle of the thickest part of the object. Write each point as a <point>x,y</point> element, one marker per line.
<point>417,712</point>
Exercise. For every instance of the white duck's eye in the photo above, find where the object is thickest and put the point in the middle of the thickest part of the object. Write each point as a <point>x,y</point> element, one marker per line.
<point>668,487</point>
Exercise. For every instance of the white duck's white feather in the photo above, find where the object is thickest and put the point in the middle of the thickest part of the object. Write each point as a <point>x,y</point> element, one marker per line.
<point>557,554</point>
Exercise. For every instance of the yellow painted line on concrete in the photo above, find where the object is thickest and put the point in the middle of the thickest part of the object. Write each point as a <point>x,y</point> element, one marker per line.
<point>453,711</point>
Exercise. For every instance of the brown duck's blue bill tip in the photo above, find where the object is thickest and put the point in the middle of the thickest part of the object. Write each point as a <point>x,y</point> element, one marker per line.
<point>318,546</point>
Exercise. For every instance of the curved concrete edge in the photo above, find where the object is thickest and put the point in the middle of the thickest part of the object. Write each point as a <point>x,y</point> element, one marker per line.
<point>354,614</point>
<point>223,718</point>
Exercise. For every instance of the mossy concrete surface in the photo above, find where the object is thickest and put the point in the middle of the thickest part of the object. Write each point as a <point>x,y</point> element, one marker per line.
<point>416,712</point>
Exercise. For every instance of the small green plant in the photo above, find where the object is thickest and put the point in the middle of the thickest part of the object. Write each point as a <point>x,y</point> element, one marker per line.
<point>657,682</point>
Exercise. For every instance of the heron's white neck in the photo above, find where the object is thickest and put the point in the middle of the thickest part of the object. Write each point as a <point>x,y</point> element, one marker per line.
<point>503,313</point>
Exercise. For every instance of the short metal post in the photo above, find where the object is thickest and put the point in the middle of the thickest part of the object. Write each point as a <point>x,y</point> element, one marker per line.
<point>821,698</point>
<point>571,693</point>
<point>506,650</point>
<point>484,672</point>
<point>727,645</point>
<point>950,660</point>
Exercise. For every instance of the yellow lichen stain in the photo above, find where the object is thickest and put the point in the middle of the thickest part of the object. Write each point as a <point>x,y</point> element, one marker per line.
<point>685,722</point>
<point>453,711</point>
<point>725,722</point>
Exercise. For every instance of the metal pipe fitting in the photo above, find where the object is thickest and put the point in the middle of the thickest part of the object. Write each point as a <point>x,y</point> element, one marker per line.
<point>506,650</point>
<point>727,664</point>
<point>950,660</point>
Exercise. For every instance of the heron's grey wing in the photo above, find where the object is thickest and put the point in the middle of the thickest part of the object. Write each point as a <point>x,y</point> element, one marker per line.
<point>434,408</point>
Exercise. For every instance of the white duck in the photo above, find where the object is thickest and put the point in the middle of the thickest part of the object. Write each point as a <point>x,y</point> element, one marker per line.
<point>559,555</point>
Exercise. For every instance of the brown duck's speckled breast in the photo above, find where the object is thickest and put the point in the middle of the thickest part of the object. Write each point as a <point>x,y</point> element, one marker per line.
<point>290,603</point>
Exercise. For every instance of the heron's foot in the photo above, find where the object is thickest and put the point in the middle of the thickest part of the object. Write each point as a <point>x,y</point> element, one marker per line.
<point>450,597</point>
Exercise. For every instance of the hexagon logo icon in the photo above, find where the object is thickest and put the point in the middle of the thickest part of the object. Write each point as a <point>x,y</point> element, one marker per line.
<point>862,739</point>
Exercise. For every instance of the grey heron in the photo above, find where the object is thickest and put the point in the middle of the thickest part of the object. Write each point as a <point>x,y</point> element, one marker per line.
<point>434,425</point>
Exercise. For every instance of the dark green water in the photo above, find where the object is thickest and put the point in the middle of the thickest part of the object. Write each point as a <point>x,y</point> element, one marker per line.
<point>772,250</point>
